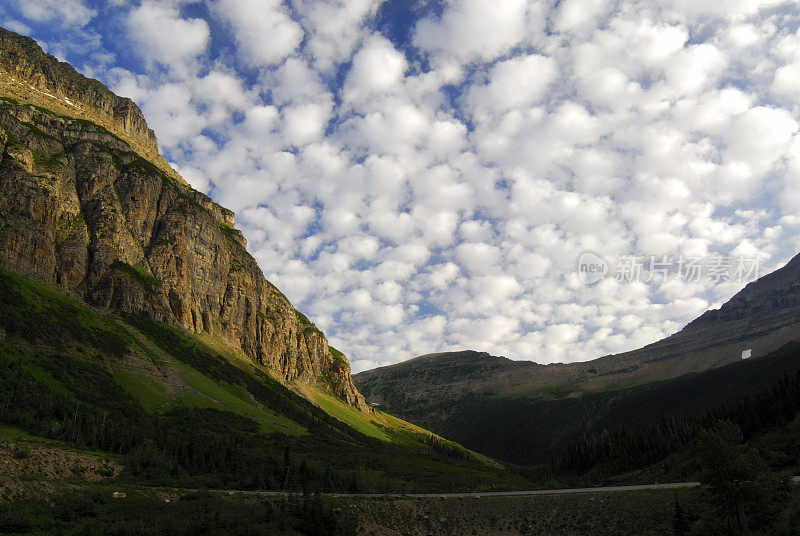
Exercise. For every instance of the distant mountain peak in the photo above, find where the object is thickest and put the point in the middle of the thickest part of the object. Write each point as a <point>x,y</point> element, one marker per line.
<point>761,318</point>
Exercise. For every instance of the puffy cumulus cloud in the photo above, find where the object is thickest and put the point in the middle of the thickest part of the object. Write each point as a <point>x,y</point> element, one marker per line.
<point>473,30</point>
<point>305,123</point>
<point>170,109</point>
<point>694,69</point>
<point>490,329</point>
<point>163,36</point>
<point>62,12</point>
<point>294,82</point>
<point>334,28</point>
<point>435,192</point>
<point>578,16</point>
<point>758,137</point>
<point>265,33</point>
<point>377,68</point>
<point>513,84</point>
<point>222,89</point>
<point>441,276</point>
<point>784,84</point>
<point>788,51</point>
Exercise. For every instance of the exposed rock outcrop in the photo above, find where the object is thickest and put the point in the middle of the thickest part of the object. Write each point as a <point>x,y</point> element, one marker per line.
<point>27,73</point>
<point>84,210</point>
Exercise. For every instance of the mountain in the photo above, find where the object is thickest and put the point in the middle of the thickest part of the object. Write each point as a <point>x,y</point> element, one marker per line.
<point>30,75</point>
<point>465,395</point>
<point>88,206</point>
<point>134,323</point>
<point>177,409</point>
<point>529,429</point>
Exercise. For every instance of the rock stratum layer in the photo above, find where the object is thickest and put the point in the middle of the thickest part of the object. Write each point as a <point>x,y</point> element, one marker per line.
<point>30,75</point>
<point>86,208</point>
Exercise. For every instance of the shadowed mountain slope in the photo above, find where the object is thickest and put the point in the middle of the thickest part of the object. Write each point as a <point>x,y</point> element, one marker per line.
<point>464,395</point>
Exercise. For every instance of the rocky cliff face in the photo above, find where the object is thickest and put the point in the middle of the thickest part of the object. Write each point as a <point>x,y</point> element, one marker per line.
<point>83,210</point>
<point>30,75</point>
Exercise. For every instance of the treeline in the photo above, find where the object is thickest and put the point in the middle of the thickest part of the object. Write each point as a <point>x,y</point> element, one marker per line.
<point>527,431</point>
<point>59,397</point>
<point>611,452</point>
<point>78,514</point>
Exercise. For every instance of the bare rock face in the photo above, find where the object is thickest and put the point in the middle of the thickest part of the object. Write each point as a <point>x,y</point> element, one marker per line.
<point>81,210</point>
<point>27,73</point>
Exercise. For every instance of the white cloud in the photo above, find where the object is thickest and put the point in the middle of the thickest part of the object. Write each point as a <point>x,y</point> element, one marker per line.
<point>222,89</point>
<point>162,36</point>
<point>305,123</point>
<point>759,136</point>
<point>695,68</point>
<point>435,194</point>
<point>515,83</point>
<point>732,10</point>
<point>294,81</point>
<point>785,82</point>
<point>264,31</point>
<point>377,68</point>
<point>170,111</point>
<point>17,26</point>
<point>478,258</point>
<point>334,28</point>
<point>473,29</point>
<point>578,15</point>
<point>63,12</point>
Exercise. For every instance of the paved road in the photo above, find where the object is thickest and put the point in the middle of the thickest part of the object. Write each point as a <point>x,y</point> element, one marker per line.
<point>473,494</point>
<point>476,494</point>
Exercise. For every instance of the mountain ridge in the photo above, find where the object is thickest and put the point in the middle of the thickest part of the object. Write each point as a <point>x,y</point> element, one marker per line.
<point>182,410</point>
<point>28,73</point>
<point>524,413</point>
<point>762,317</point>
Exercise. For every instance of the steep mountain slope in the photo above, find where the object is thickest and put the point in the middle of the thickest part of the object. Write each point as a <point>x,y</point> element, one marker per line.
<point>28,74</point>
<point>84,208</point>
<point>178,409</point>
<point>526,430</point>
<point>763,316</point>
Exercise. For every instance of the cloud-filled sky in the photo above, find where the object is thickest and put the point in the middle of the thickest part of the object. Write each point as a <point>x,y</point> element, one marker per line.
<point>418,176</point>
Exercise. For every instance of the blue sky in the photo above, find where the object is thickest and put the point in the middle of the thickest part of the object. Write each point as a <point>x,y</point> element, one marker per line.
<point>424,176</point>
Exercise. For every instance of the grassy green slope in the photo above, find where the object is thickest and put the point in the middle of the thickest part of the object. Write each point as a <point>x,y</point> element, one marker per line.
<point>183,410</point>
